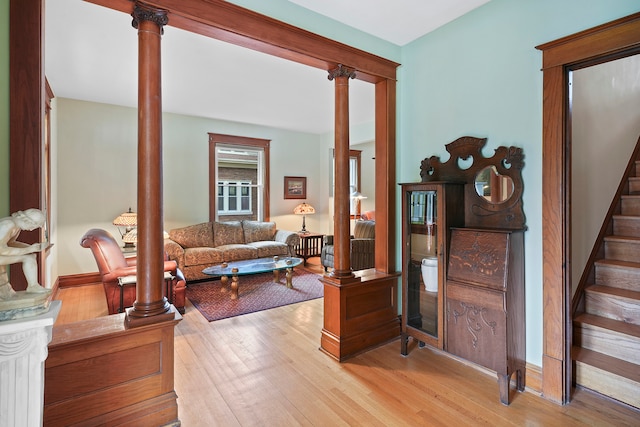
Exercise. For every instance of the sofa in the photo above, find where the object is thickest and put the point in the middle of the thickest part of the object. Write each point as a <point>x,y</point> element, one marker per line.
<point>203,245</point>
<point>362,247</point>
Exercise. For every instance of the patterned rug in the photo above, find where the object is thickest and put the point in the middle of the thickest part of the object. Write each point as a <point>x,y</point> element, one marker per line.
<point>256,292</point>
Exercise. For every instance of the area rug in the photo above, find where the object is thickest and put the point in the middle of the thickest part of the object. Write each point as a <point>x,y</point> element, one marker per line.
<point>256,292</point>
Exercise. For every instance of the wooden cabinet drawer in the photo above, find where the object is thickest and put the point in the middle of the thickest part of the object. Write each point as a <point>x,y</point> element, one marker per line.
<point>479,257</point>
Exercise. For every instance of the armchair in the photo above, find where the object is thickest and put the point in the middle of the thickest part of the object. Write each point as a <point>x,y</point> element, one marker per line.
<point>362,247</point>
<point>113,266</point>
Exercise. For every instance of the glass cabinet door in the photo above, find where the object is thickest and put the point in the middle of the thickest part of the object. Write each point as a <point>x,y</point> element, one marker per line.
<point>422,281</point>
<point>429,209</point>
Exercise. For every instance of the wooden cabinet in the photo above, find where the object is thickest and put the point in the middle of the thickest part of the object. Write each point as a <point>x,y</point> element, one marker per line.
<point>428,211</point>
<point>469,210</point>
<point>485,311</point>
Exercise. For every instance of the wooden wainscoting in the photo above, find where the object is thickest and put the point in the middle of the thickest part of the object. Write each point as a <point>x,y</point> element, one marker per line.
<point>98,372</point>
<point>368,315</point>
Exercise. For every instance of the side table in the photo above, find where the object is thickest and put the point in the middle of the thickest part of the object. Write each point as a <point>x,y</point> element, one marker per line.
<point>310,246</point>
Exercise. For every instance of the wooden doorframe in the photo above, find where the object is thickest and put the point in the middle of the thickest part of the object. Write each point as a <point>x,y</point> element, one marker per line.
<point>596,44</point>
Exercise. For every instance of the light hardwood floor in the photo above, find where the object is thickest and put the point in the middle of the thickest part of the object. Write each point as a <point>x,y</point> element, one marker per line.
<point>265,369</point>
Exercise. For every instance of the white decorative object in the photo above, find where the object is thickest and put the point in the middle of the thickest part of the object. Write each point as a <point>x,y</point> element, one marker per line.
<point>33,300</point>
<point>23,350</point>
<point>429,268</point>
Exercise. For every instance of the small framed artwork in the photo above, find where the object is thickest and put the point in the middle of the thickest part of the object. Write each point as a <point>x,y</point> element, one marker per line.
<point>295,187</point>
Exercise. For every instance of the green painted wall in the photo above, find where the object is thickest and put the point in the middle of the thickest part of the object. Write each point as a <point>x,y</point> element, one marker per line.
<point>480,76</point>
<point>4,108</point>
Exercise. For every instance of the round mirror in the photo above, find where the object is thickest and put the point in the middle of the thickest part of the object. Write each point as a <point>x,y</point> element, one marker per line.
<point>495,188</point>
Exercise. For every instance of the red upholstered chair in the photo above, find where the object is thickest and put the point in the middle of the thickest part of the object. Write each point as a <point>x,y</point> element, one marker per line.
<point>368,216</point>
<point>113,265</point>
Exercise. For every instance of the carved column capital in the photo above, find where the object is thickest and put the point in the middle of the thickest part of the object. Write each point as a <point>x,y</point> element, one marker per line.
<point>342,71</point>
<point>143,12</point>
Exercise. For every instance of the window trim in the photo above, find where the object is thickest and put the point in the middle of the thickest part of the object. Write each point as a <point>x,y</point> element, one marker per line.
<point>222,139</point>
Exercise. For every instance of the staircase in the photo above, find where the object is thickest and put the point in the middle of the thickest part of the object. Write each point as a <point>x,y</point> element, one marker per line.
<point>606,306</point>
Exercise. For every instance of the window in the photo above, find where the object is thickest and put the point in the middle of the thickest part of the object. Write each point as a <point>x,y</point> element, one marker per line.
<point>239,178</point>
<point>234,198</point>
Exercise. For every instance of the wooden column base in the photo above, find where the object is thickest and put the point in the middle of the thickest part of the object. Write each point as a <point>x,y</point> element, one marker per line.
<point>367,314</point>
<point>101,372</point>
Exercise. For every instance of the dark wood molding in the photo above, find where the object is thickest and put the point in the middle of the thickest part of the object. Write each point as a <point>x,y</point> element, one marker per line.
<point>99,371</point>
<point>618,37</point>
<point>27,110</point>
<point>78,280</point>
<point>385,167</point>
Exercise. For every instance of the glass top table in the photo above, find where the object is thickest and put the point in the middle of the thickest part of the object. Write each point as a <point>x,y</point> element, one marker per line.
<point>253,266</point>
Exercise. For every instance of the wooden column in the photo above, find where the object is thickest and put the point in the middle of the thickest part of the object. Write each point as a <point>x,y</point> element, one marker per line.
<point>150,273</point>
<point>341,217</point>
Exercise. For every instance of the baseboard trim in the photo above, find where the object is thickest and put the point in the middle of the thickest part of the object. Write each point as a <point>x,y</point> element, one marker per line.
<point>534,378</point>
<point>78,280</point>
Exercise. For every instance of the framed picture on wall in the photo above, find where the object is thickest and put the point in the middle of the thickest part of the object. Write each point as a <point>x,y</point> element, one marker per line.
<point>295,187</point>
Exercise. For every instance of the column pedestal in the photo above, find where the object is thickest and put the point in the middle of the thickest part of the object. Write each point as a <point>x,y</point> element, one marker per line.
<point>23,350</point>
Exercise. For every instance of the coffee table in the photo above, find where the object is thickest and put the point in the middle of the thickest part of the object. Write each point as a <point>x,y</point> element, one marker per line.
<point>253,266</point>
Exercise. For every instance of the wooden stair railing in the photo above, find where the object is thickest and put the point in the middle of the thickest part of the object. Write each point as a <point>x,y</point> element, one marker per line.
<point>606,305</point>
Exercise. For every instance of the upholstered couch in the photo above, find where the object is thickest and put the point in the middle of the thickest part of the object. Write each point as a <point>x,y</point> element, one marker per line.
<point>362,246</point>
<point>199,246</point>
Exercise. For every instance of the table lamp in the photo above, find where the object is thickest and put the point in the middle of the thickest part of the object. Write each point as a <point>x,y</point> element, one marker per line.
<point>129,221</point>
<point>304,209</point>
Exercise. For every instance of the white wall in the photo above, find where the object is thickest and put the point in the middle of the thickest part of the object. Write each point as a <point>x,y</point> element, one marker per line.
<point>605,129</point>
<point>97,161</point>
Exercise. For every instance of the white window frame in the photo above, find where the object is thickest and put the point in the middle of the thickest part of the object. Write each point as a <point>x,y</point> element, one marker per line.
<point>223,208</point>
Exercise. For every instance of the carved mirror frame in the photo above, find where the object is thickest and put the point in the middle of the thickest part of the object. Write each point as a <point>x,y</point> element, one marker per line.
<point>466,161</point>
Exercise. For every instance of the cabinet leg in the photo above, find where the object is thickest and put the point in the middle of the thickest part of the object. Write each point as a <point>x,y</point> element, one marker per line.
<point>404,341</point>
<point>503,384</point>
<point>520,379</point>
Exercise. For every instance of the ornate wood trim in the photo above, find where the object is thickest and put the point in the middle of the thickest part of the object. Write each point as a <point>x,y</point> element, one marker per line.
<point>480,212</point>
<point>341,71</point>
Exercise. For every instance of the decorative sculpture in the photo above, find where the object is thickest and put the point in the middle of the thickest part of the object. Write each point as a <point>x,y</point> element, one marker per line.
<point>33,300</point>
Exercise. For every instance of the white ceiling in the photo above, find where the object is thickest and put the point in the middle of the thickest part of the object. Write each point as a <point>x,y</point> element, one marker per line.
<point>91,54</point>
<point>398,21</point>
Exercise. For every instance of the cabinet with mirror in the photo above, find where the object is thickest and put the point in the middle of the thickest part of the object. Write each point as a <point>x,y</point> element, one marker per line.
<point>463,252</point>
